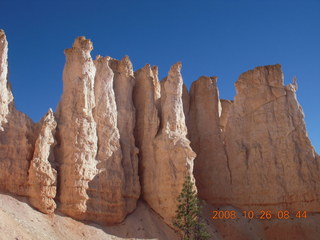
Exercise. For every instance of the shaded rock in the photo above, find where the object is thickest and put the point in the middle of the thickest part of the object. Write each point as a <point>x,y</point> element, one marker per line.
<point>146,95</point>
<point>42,175</point>
<point>211,164</point>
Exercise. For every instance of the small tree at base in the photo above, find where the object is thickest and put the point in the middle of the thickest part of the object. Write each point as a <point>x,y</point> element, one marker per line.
<point>188,214</point>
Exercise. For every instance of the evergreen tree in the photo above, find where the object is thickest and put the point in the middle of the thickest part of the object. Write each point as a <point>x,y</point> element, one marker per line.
<point>188,214</point>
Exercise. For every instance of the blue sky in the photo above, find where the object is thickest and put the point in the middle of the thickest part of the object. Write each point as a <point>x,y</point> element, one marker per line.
<point>222,38</point>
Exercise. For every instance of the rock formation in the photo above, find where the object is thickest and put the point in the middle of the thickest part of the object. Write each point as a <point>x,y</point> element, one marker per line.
<point>123,87</point>
<point>185,102</point>
<point>172,153</point>
<point>115,129</point>
<point>16,134</point>
<point>6,97</point>
<point>146,94</point>
<point>107,188</point>
<point>272,162</point>
<point>211,164</point>
<point>42,175</point>
<point>77,136</point>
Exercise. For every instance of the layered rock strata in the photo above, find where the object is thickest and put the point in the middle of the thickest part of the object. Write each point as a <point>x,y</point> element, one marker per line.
<point>272,162</point>
<point>211,167</point>
<point>42,175</point>
<point>123,86</point>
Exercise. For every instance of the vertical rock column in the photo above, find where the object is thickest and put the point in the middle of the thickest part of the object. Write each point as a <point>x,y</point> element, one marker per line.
<point>123,87</point>
<point>77,129</point>
<point>6,97</point>
<point>16,134</point>
<point>146,94</point>
<point>172,153</point>
<point>42,175</point>
<point>106,203</point>
<point>211,167</point>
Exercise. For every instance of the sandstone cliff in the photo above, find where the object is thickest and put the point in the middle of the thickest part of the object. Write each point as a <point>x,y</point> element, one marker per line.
<point>77,136</point>
<point>17,136</point>
<point>165,154</point>
<point>172,151</point>
<point>211,166</point>
<point>145,98</point>
<point>119,135</point>
<point>123,87</point>
<point>106,195</point>
<point>42,174</point>
<point>271,159</point>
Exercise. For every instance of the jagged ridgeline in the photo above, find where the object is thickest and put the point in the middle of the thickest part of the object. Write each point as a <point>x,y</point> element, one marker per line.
<point>119,135</point>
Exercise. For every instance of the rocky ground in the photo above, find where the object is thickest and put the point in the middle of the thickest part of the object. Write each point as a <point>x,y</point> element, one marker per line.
<point>19,221</point>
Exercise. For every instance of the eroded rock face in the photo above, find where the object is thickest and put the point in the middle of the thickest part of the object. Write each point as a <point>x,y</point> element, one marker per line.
<point>272,162</point>
<point>42,175</point>
<point>77,136</point>
<point>98,176</point>
<point>145,98</point>
<point>211,164</point>
<point>16,134</point>
<point>172,152</point>
<point>252,153</point>
<point>6,97</point>
<point>123,87</point>
<point>106,203</point>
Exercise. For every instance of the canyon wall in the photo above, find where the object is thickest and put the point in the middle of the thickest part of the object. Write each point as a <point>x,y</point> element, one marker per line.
<point>268,147</point>
<point>119,135</point>
<point>165,154</point>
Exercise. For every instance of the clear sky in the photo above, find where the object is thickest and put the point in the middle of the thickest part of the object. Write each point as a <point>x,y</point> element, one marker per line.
<point>215,37</point>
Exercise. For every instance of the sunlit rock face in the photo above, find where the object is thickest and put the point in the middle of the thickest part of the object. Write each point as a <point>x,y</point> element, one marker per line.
<point>107,203</point>
<point>126,117</point>
<point>77,135</point>
<point>224,112</point>
<point>173,155</point>
<point>42,177</point>
<point>92,175</point>
<point>165,154</point>
<point>272,162</point>
<point>17,135</point>
<point>120,135</point>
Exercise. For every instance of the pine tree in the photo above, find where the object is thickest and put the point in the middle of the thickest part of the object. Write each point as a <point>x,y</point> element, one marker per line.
<point>188,214</point>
